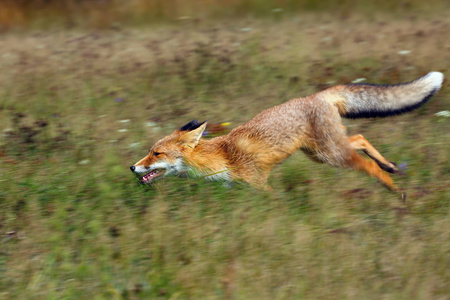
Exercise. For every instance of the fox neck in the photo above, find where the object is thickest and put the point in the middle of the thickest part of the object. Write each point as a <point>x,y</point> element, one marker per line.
<point>209,159</point>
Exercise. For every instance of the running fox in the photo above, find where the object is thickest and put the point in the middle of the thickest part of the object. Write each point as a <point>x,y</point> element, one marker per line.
<point>312,124</point>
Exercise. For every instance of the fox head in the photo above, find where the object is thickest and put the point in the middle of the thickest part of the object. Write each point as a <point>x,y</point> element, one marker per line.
<point>167,156</point>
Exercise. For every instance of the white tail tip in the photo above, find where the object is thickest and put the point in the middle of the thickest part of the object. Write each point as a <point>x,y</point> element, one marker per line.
<point>436,79</point>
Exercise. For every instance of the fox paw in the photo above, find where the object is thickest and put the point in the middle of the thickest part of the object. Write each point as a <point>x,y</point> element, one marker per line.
<point>391,168</point>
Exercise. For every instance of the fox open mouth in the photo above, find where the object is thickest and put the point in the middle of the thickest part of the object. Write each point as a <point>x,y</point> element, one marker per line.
<point>151,176</point>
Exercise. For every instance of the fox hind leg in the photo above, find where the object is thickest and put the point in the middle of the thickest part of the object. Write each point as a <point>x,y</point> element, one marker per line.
<point>341,152</point>
<point>351,159</point>
<point>330,144</point>
<point>358,142</point>
<point>357,162</point>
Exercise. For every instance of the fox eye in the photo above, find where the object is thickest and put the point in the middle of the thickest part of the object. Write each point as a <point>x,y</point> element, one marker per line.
<point>157,153</point>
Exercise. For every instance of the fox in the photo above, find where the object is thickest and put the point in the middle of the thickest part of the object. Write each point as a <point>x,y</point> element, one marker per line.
<point>311,124</point>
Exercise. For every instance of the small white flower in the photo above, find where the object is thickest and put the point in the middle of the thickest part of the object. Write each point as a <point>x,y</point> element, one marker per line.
<point>122,130</point>
<point>150,124</point>
<point>113,141</point>
<point>358,80</point>
<point>404,52</point>
<point>124,121</point>
<point>84,162</point>
<point>444,113</point>
<point>102,116</point>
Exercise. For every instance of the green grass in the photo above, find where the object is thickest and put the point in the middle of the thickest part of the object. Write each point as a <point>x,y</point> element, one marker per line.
<point>75,224</point>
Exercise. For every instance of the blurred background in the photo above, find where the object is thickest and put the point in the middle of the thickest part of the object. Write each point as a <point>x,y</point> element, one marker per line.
<point>107,13</point>
<point>88,86</point>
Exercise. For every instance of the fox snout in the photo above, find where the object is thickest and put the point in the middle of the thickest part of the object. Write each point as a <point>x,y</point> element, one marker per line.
<point>139,169</point>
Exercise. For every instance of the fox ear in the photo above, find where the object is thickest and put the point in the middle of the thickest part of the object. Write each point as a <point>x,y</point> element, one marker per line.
<point>191,137</point>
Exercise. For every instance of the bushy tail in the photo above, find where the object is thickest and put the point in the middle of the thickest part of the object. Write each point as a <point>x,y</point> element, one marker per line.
<point>370,100</point>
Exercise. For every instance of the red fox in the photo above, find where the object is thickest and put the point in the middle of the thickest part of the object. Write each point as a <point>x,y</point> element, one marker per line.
<point>312,124</point>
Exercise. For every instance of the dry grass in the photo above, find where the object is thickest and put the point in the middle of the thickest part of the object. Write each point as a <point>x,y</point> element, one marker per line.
<point>74,224</point>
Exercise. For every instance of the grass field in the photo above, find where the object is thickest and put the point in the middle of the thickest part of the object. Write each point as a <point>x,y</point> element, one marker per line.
<point>78,107</point>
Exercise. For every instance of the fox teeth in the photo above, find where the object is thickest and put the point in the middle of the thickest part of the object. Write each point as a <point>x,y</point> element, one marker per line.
<point>149,176</point>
